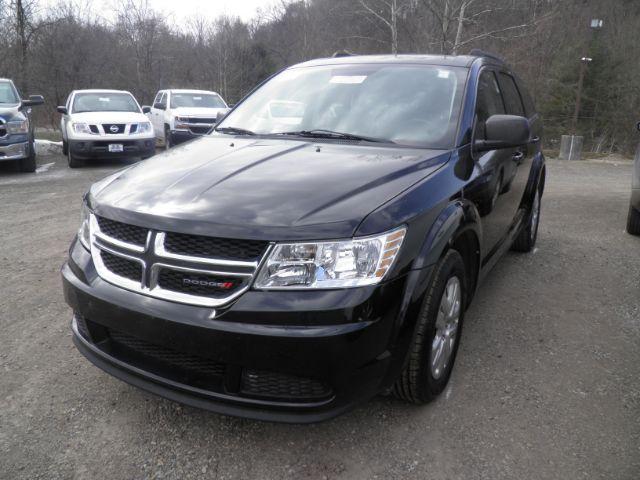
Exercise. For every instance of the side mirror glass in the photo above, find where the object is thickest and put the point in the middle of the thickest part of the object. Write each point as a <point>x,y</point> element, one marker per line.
<point>61,109</point>
<point>159,106</point>
<point>146,109</point>
<point>33,100</point>
<point>504,131</point>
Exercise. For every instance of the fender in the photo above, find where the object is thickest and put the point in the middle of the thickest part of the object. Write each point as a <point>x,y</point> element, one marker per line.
<point>456,218</point>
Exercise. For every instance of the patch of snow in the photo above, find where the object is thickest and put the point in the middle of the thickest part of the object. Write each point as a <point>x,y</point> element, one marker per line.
<point>48,147</point>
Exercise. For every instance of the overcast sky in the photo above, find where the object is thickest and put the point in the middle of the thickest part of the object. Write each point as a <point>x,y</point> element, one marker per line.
<point>183,9</point>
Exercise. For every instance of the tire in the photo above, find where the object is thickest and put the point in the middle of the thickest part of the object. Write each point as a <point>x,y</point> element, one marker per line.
<point>167,138</point>
<point>65,147</point>
<point>420,382</point>
<point>526,239</point>
<point>73,161</point>
<point>28,165</point>
<point>633,221</point>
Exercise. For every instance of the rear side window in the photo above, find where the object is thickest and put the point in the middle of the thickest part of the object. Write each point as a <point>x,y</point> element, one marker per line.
<point>511,95</point>
<point>529,106</point>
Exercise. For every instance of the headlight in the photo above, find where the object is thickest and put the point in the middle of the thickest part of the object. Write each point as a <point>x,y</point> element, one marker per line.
<point>348,263</point>
<point>144,127</point>
<point>181,123</point>
<point>81,128</point>
<point>19,127</point>
<point>84,234</point>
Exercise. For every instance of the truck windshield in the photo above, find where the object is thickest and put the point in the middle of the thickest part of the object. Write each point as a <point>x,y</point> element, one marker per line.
<point>8,93</point>
<point>104,102</point>
<point>416,105</point>
<point>196,100</point>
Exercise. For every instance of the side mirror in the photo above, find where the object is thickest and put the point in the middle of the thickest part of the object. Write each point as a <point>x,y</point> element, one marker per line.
<point>62,109</point>
<point>160,106</point>
<point>146,109</point>
<point>504,131</point>
<point>33,101</point>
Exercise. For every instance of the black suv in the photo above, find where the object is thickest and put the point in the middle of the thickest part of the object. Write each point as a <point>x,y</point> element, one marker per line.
<point>17,141</point>
<point>319,247</point>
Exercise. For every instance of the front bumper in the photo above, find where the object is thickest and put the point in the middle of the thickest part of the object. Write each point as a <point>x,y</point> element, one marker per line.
<point>87,149</point>
<point>299,356</point>
<point>14,151</point>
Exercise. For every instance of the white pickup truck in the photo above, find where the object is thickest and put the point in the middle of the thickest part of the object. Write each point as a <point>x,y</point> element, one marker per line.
<point>104,124</point>
<point>180,115</point>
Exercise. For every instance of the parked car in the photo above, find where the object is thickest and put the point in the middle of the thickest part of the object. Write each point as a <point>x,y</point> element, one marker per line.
<point>633,219</point>
<point>181,115</point>
<point>104,124</point>
<point>17,141</point>
<point>291,274</point>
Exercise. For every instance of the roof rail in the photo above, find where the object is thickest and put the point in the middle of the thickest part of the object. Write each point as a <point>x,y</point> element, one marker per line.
<point>481,53</point>
<point>342,53</point>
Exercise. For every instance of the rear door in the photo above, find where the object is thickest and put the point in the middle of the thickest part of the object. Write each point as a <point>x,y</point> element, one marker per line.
<point>157,115</point>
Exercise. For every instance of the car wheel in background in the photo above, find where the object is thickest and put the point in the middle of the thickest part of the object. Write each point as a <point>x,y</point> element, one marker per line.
<point>633,221</point>
<point>73,161</point>
<point>167,138</point>
<point>28,164</point>
<point>65,147</point>
<point>528,235</point>
<point>436,338</point>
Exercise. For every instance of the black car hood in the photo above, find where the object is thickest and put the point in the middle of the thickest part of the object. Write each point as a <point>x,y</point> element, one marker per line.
<point>262,188</point>
<point>8,112</point>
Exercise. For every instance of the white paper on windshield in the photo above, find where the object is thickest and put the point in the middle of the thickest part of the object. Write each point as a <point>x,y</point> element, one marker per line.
<point>443,73</point>
<point>104,99</point>
<point>348,79</point>
<point>197,98</point>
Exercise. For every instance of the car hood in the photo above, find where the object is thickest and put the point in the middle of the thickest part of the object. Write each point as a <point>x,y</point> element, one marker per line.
<point>198,112</point>
<point>7,112</point>
<point>108,117</point>
<point>267,189</point>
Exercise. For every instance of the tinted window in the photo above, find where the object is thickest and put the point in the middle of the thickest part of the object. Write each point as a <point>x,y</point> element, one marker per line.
<point>511,95</point>
<point>104,102</point>
<point>407,104</point>
<point>489,101</point>
<point>529,106</point>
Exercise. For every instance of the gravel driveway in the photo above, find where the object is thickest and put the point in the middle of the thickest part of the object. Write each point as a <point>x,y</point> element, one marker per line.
<point>547,383</point>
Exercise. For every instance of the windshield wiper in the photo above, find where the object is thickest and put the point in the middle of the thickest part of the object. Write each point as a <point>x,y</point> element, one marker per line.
<point>322,133</point>
<point>234,131</point>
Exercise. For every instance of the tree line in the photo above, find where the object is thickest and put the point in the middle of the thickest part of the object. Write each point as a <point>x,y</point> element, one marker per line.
<point>53,48</point>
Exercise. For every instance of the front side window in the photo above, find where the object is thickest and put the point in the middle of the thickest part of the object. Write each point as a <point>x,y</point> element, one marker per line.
<point>196,100</point>
<point>104,102</point>
<point>416,105</point>
<point>511,95</point>
<point>8,94</point>
<point>489,101</point>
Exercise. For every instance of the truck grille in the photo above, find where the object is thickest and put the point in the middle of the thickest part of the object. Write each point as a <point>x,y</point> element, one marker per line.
<point>200,120</point>
<point>3,128</point>
<point>117,128</point>
<point>192,269</point>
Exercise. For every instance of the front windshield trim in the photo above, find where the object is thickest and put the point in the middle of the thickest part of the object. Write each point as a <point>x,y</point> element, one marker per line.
<point>447,141</point>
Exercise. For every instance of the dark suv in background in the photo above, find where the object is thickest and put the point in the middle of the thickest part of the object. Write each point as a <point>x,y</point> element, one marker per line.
<point>17,141</point>
<point>320,246</point>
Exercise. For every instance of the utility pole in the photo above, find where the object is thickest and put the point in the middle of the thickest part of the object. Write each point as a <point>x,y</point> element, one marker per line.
<point>583,68</point>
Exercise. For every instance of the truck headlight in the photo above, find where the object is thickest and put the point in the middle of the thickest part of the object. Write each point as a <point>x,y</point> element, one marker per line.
<point>337,264</point>
<point>18,127</point>
<point>144,127</point>
<point>84,232</point>
<point>181,123</point>
<point>81,128</point>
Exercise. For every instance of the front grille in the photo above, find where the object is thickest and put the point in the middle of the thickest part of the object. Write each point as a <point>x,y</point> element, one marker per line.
<point>279,385</point>
<point>123,267</point>
<point>119,126</point>
<point>197,284</point>
<point>167,355</point>
<point>222,248</point>
<point>123,231</point>
<point>200,120</point>
<point>3,128</point>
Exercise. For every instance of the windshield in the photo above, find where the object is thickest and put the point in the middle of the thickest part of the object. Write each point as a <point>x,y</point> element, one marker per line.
<point>104,102</point>
<point>197,100</point>
<point>415,105</point>
<point>8,93</point>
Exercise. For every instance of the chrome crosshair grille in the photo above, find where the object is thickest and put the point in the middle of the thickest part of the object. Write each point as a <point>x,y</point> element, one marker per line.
<point>144,261</point>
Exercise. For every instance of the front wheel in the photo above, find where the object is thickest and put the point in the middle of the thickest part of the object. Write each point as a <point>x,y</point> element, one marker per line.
<point>167,138</point>
<point>633,221</point>
<point>28,164</point>
<point>73,161</point>
<point>526,239</point>
<point>437,335</point>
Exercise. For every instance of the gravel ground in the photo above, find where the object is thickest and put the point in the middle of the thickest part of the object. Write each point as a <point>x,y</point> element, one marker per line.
<point>547,383</point>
